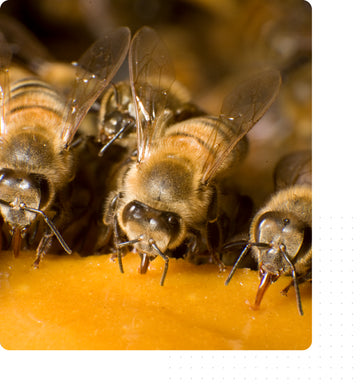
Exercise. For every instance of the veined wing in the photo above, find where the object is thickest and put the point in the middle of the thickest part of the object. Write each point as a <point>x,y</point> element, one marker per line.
<point>240,111</point>
<point>151,76</point>
<point>5,59</point>
<point>94,70</point>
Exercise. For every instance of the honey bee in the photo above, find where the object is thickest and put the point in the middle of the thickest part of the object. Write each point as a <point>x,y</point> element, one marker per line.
<point>281,231</point>
<point>37,127</point>
<point>117,113</point>
<point>175,199</point>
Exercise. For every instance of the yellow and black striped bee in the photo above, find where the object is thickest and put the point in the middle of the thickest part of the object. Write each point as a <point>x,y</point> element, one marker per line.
<point>281,231</point>
<point>175,199</point>
<point>37,126</point>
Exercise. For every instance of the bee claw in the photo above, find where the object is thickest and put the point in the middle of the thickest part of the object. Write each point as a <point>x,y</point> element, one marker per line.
<point>36,264</point>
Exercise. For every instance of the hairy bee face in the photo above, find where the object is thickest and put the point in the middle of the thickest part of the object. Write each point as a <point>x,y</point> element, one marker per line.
<point>116,111</point>
<point>277,230</point>
<point>19,189</point>
<point>149,224</point>
<point>155,195</point>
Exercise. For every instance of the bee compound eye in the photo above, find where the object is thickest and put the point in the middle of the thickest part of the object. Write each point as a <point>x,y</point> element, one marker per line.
<point>173,222</point>
<point>133,211</point>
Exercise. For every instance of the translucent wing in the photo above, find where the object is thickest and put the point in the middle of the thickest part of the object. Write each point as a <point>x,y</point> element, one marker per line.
<point>151,76</point>
<point>294,168</point>
<point>5,58</point>
<point>24,45</point>
<point>240,111</point>
<point>94,70</point>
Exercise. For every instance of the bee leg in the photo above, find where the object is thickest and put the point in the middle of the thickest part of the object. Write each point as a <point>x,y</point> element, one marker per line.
<point>214,240</point>
<point>164,257</point>
<point>214,234</point>
<point>44,246</point>
<point>285,291</point>
<point>118,241</point>
<point>300,280</point>
<point>119,256</point>
<point>32,235</point>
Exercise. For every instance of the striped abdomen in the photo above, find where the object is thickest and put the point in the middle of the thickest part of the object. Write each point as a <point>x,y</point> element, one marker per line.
<point>34,121</point>
<point>34,104</point>
<point>204,138</point>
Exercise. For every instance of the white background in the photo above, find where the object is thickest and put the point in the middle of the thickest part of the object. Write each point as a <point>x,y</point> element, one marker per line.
<point>333,357</point>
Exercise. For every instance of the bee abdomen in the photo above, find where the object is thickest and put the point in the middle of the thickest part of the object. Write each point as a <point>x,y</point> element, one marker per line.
<point>207,136</point>
<point>35,97</point>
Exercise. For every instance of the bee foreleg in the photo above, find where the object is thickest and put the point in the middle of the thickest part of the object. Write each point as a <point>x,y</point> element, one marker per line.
<point>117,241</point>
<point>300,280</point>
<point>32,235</point>
<point>44,246</point>
<point>214,241</point>
<point>214,234</point>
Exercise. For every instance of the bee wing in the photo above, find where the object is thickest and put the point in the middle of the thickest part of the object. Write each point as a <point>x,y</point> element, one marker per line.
<point>94,70</point>
<point>24,45</point>
<point>241,110</point>
<point>294,168</point>
<point>151,76</point>
<point>5,59</point>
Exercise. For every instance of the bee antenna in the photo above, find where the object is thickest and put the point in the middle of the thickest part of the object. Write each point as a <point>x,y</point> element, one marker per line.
<point>126,243</point>
<point>243,253</point>
<point>128,126</point>
<point>51,226</point>
<point>293,274</point>
<point>164,257</point>
<point>230,245</point>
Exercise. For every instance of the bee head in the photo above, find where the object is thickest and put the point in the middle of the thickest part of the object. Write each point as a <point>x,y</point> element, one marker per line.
<point>151,225</point>
<point>280,232</point>
<point>17,190</point>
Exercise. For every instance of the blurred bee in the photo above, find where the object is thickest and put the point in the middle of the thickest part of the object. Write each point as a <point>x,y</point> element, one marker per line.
<point>37,127</point>
<point>176,199</point>
<point>281,231</point>
<point>117,114</point>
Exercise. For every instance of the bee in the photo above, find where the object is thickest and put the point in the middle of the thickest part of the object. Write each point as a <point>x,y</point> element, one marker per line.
<point>117,113</point>
<point>175,198</point>
<point>37,128</point>
<point>281,231</point>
